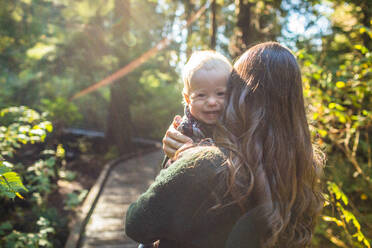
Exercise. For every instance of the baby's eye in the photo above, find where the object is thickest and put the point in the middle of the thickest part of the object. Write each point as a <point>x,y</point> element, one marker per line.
<point>200,95</point>
<point>221,93</point>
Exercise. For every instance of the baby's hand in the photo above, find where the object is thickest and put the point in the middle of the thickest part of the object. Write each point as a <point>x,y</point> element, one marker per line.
<point>174,139</point>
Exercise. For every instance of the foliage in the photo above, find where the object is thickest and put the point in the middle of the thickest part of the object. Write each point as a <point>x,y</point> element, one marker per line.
<point>159,96</point>
<point>23,131</point>
<point>338,90</point>
<point>18,239</point>
<point>10,182</point>
<point>61,112</point>
<point>351,228</point>
<point>27,44</point>
<point>19,125</point>
<point>74,199</point>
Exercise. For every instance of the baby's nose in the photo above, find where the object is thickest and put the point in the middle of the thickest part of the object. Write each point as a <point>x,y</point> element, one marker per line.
<point>212,101</point>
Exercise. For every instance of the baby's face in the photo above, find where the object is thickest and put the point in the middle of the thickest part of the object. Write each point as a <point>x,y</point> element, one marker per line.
<point>206,95</point>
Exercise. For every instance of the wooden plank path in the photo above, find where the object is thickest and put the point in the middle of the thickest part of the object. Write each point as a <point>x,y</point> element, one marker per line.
<point>125,182</point>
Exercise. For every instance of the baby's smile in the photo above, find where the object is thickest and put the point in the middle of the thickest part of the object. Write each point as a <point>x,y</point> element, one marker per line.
<point>212,114</point>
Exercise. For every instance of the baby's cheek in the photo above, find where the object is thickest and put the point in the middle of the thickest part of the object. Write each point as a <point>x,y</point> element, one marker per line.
<point>193,109</point>
<point>223,102</point>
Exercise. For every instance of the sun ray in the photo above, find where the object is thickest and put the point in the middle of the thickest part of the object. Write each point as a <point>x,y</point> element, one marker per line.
<point>138,61</point>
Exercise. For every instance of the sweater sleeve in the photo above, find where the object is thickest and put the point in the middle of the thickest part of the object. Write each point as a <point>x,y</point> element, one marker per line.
<point>166,208</point>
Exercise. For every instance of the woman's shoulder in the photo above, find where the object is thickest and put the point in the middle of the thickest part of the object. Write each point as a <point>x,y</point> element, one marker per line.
<point>203,156</point>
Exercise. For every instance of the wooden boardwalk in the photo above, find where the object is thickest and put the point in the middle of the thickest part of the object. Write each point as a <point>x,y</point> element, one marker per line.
<point>126,181</point>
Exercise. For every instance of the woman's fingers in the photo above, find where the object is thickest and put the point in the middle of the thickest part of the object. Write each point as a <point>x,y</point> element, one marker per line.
<point>177,136</point>
<point>169,146</point>
<point>174,139</point>
<point>177,121</point>
<point>170,152</point>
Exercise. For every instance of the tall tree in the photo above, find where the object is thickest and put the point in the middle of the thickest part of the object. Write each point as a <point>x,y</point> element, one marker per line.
<point>189,9</point>
<point>119,124</point>
<point>214,24</point>
<point>256,21</point>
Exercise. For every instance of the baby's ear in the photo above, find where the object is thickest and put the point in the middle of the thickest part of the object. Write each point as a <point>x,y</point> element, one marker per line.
<point>186,97</point>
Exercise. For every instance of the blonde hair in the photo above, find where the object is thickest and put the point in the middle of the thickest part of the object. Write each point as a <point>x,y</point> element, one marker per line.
<point>204,60</point>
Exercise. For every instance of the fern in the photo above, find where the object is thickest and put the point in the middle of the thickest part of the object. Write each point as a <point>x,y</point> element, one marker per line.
<point>10,182</point>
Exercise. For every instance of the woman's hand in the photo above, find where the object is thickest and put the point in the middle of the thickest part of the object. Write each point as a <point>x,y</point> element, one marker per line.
<point>174,139</point>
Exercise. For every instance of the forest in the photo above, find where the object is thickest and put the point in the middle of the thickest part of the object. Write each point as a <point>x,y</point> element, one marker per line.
<point>113,68</point>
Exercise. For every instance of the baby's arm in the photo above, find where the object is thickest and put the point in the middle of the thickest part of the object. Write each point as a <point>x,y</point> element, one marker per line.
<point>174,139</point>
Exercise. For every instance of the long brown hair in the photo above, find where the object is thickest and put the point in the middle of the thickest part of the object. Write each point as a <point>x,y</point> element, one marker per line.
<point>272,161</point>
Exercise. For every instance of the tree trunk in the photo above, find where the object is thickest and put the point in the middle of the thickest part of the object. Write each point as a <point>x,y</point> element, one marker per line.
<point>213,25</point>
<point>189,9</point>
<point>250,28</point>
<point>240,39</point>
<point>119,124</point>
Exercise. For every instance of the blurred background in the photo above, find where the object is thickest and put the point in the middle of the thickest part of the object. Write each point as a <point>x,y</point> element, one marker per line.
<point>82,81</point>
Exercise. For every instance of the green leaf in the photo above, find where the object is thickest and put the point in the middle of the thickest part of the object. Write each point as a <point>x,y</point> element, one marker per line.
<point>340,107</point>
<point>11,184</point>
<point>361,48</point>
<point>60,152</point>
<point>4,168</point>
<point>333,219</point>
<point>37,132</point>
<point>40,50</point>
<point>322,132</point>
<point>340,84</point>
<point>50,162</point>
<point>334,189</point>
<point>6,225</point>
<point>332,105</point>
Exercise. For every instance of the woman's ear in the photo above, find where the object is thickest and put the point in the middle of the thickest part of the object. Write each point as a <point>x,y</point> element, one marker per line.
<point>186,97</point>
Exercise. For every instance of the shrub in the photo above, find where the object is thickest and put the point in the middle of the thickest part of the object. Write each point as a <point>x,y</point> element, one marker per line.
<point>28,222</point>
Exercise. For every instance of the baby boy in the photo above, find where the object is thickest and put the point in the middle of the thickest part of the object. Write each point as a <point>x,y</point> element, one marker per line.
<point>205,78</point>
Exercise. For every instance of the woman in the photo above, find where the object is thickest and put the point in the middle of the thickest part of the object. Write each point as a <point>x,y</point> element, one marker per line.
<point>262,172</point>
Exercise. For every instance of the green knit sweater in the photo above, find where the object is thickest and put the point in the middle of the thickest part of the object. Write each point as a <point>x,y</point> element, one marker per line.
<point>177,207</point>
